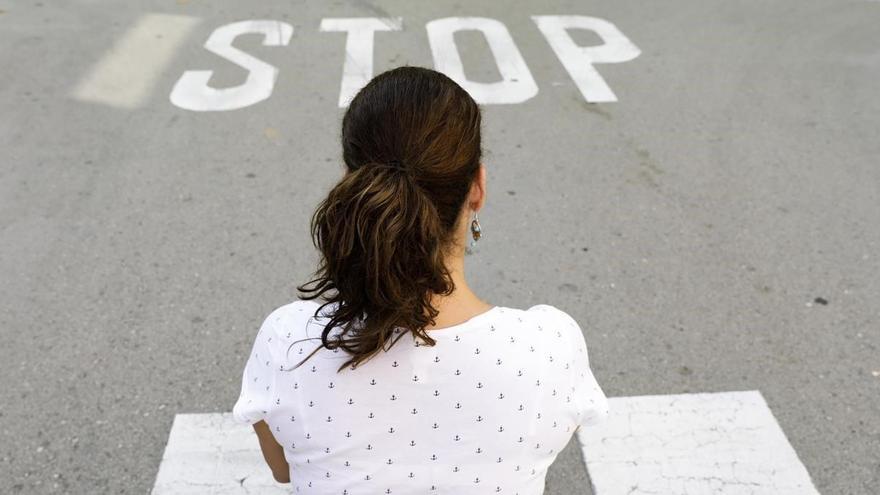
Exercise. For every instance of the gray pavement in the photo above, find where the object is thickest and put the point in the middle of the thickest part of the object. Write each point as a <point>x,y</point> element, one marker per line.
<point>717,228</point>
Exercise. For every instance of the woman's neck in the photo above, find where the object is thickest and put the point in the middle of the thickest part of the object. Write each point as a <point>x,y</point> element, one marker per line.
<point>462,304</point>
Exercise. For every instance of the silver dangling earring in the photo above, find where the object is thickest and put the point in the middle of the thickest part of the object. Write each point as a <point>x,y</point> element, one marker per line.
<point>476,233</point>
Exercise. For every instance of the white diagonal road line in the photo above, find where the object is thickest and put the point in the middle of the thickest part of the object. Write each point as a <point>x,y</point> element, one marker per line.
<point>125,76</point>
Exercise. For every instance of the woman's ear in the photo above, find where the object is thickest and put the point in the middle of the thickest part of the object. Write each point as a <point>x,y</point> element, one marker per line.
<point>481,181</point>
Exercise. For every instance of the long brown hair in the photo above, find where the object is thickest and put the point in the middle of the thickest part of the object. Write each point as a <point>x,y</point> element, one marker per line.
<point>411,146</point>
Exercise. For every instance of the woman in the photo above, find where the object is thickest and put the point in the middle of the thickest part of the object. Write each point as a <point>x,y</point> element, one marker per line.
<point>404,381</point>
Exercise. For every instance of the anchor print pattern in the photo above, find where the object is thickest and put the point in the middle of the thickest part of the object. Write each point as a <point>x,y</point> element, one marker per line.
<point>486,409</point>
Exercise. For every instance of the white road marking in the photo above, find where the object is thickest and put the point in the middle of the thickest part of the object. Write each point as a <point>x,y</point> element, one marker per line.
<point>192,91</point>
<point>517,84</point>
<point>126,74</point>
<point>579,60</point>
<point>721,443</point>
<point>210,453</point>
<point>357,70</point>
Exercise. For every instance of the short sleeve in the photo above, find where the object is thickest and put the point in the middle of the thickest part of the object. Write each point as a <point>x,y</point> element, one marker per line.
<point>591,400</point>
<point>258,378</point>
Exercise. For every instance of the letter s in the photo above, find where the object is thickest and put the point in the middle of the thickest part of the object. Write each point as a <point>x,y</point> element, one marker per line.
<point>192,92</point>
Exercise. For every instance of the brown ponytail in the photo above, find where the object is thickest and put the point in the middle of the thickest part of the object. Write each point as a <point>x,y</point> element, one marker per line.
<point>411,146</point>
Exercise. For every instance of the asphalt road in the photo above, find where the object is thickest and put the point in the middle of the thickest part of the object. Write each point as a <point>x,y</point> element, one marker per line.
<point>716,228</point>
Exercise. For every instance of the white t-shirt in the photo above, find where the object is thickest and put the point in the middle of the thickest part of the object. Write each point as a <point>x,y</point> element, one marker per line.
<point>485,410</point>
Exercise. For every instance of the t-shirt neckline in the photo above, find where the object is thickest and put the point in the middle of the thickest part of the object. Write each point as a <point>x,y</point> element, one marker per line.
<point>473,320</point>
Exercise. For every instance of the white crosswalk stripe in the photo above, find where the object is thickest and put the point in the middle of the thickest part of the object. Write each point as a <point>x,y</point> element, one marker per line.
<point>720,443</point>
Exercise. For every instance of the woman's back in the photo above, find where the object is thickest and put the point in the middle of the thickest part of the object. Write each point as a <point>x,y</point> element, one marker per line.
<point>487,409</point>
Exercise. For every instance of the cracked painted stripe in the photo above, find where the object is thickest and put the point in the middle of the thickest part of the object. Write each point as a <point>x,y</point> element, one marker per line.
<point>719,443</point>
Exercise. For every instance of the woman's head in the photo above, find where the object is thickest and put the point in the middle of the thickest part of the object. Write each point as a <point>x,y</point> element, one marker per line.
<point>387,229</point>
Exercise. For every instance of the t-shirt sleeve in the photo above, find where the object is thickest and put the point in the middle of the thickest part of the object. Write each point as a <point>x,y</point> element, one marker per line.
<point>591,400</point>
<point>258,378</point>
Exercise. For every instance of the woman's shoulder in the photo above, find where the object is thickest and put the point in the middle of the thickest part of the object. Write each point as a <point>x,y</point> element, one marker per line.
<point>552,315</point>
<point>294,308</point>
<point>290,316</point>
<point>551,312</point>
